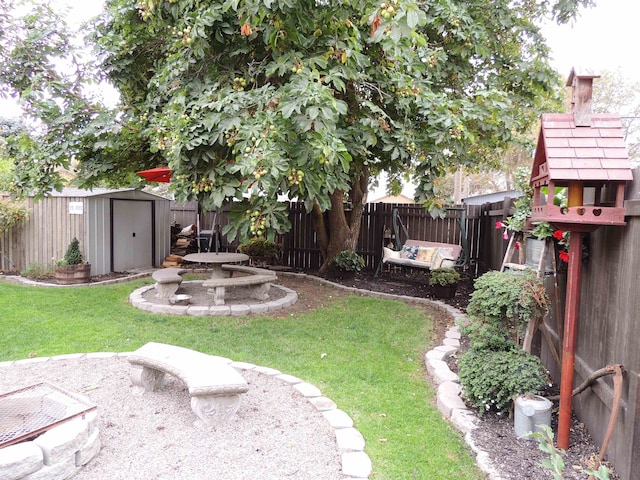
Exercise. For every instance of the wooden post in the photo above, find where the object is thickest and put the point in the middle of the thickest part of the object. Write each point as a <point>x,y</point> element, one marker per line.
<point>569,339</point>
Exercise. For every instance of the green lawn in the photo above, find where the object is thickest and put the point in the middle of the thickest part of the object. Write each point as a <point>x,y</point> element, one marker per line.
<point>365,354</point>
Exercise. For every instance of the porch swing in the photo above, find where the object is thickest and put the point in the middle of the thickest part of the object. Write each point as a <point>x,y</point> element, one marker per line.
<point>425,254</point>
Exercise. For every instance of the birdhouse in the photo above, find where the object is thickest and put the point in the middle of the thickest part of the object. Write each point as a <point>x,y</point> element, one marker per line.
<point>582,158</point>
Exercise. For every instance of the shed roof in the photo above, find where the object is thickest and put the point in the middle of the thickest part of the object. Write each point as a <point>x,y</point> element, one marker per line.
<point>571,152</point>
<point>96,192</point>
<point>393,199</point>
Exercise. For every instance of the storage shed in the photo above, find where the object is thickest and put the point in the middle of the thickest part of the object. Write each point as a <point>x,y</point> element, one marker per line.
<point>118,230</point>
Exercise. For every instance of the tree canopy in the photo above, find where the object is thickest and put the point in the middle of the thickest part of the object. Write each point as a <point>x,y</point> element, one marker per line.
<point>246,100</point>
<point>615,93</point>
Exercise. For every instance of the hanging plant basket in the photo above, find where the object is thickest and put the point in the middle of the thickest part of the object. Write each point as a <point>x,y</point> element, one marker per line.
<point>72,274</point>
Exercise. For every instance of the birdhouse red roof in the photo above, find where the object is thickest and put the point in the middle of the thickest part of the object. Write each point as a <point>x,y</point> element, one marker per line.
<point>591,153</point>
<point>585,154</point>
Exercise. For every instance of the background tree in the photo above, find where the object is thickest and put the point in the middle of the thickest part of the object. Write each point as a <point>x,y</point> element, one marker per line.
<point>247,100</point>
<point>615,93</point>
<point>9,128</point>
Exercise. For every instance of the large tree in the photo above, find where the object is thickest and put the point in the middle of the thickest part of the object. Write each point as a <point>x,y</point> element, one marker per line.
<point>613,92</point>
<point>249,100</point>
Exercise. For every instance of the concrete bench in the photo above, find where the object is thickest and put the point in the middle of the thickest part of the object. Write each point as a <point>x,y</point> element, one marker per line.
<point>256,279</point>
<point>214,386</point>
<point>168,281</point>
<point>248,270</point>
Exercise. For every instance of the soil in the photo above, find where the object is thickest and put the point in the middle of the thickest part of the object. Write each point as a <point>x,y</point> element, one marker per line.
<point>511,457</point>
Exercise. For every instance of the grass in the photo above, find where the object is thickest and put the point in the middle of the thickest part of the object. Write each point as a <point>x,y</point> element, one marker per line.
<point>365,354</point>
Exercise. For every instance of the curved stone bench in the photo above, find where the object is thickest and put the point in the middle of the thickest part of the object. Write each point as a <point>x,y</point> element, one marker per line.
<point>168,281</point>
<point>214,386</point>
<point>256,279</point>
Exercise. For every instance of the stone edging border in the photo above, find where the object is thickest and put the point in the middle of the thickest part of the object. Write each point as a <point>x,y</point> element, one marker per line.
<point>356,464</point>
<point>136,299</point>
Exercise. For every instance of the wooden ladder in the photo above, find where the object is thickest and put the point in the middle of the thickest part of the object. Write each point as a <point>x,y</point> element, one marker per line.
<point>549,243</point>
<point>517,237</point>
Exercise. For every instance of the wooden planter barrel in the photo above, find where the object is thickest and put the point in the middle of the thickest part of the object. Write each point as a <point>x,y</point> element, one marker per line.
<point>73,274</point>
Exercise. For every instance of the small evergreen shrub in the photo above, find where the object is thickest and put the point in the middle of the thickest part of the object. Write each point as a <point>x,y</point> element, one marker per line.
<point>443,277</point>
<point>508,298</point>
<point>486,336</point>
<point>73,255</point>
<point>491,379</point>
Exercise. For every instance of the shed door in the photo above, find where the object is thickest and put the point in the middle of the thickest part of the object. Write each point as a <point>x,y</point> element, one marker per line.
<point>132,234</point>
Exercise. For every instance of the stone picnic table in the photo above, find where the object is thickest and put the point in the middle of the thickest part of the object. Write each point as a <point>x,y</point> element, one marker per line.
<point>216,260</point>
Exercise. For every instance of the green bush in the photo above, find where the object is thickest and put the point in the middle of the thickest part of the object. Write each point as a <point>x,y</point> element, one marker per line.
<point>443,277</point>
<point>73,255</point>
<point>508,298</point>
<point>38,271</point>
<point>260,247</point>
<point>491,379</point>
<point>12,214</point>
<point>486,336</point>
<point>348,260</point>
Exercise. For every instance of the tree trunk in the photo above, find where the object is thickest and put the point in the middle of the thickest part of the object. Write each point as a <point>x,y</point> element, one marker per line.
<point>337,229</point>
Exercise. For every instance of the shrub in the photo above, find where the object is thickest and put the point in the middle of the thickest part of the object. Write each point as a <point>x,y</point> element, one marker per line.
<point>348,260</point>
<point>485,336</point>
<point>491,379</point>
<point>508,298</point>
<point>73,255</point>
<point>38,271</point>
<point>443,277</point>
<point>12,214</point>
<point>260,247</point>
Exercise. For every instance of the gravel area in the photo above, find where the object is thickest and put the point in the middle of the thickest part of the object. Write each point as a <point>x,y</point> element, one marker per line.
<point>276,434</point>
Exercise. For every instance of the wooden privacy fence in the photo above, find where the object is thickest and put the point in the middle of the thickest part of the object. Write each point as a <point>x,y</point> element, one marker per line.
<point>300,246</point>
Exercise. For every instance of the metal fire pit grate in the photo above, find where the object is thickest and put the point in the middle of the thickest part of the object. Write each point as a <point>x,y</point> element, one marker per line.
<point>32,410</point>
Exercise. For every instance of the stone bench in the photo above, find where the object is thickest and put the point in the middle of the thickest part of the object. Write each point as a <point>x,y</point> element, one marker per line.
<point>256,279</point>
<point>214,386</point>
<point>168,281</point>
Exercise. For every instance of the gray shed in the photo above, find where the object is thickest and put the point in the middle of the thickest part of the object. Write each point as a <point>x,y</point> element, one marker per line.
<point>118,230</point>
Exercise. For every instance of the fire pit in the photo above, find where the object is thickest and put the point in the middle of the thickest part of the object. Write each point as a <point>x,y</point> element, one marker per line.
<point>44,427</point>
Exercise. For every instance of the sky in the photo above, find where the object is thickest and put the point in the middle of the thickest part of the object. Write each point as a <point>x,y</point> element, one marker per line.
<point>602,38</point>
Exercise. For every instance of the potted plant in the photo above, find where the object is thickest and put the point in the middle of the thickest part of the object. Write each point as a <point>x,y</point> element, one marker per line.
<point>346,263</point>
<point>535,235</point>
<point>72,269</point>
<point>261,251</point>
<point>444,282</point>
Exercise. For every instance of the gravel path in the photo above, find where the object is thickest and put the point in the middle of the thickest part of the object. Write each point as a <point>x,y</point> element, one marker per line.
<point>277,434</point>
